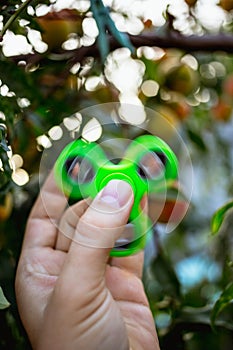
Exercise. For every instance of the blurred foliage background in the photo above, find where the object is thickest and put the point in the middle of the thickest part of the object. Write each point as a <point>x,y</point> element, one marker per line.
<point>174,57</point>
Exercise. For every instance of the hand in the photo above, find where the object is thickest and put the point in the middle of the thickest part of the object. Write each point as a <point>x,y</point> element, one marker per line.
<point>70,295</point>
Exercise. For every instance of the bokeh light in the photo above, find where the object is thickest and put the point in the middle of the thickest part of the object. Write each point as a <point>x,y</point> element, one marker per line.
<point>92,131</point>
<point>20,177</point>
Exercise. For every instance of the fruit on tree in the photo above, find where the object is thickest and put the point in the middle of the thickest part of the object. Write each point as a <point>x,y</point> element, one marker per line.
<point>190,2</point>
<point>228,85</point>
<point>164,123</point>
<point>182,79</point>
<point>226,4</point>
<point>171,211</point>
<point>6,206</point>
<point>56,26</point>
<point>148,24</point>
<point>222,110</point>
<point>105,93</point>
<point>179,105</point>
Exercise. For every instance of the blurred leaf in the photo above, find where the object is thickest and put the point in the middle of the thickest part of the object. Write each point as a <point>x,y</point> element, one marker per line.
<point>15,333</point>
<point>164,273</point>
<point>196,314</point>
<point>224,300</point>
<point>219,217</point>
<point>151,69</point>
<point>195,138</point>
<point>4,146</point>
<point>18,80</point>
<point>3,141</point>
<point>4,303</point>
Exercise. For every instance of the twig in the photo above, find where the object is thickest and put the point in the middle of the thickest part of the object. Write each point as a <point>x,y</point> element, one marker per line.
<point>13,18</point>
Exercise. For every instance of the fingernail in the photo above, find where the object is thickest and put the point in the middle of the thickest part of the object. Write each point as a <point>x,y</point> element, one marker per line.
<point>117,193</point>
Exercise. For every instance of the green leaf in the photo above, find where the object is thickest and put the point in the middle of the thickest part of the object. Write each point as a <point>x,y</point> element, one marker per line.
<point>224,300</point>
<point>165,275</point>
<point>197,139</point>
<point>4,303</point>
<point>219,216</point>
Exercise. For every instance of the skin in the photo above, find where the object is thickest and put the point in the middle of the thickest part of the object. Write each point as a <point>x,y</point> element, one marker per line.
<point>69,293</point>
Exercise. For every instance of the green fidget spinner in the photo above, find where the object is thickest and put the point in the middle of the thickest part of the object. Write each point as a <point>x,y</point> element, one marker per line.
<point>149,165</point>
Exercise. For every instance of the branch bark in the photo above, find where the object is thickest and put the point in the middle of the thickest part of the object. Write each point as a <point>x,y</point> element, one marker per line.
<point>194,43</point>
<point>173,39</point>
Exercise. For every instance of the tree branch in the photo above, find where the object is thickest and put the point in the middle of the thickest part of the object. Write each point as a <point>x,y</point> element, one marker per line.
<point>193,43</point>
<point>205,43</point>
<point>173,39</point>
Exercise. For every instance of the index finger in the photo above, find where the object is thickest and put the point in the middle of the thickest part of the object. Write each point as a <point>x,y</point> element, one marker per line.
<point>45,215</point>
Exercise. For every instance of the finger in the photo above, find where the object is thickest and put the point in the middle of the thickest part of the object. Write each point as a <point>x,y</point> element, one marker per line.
<point>132,263</point>
<point>68,223</point>
<point>51,202</point>
<point>96,233</point>
<point>43,220</point>
<point>124,285</point>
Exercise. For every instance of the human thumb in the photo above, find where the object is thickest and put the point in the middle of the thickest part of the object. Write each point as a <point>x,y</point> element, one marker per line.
<point>97,231</point>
